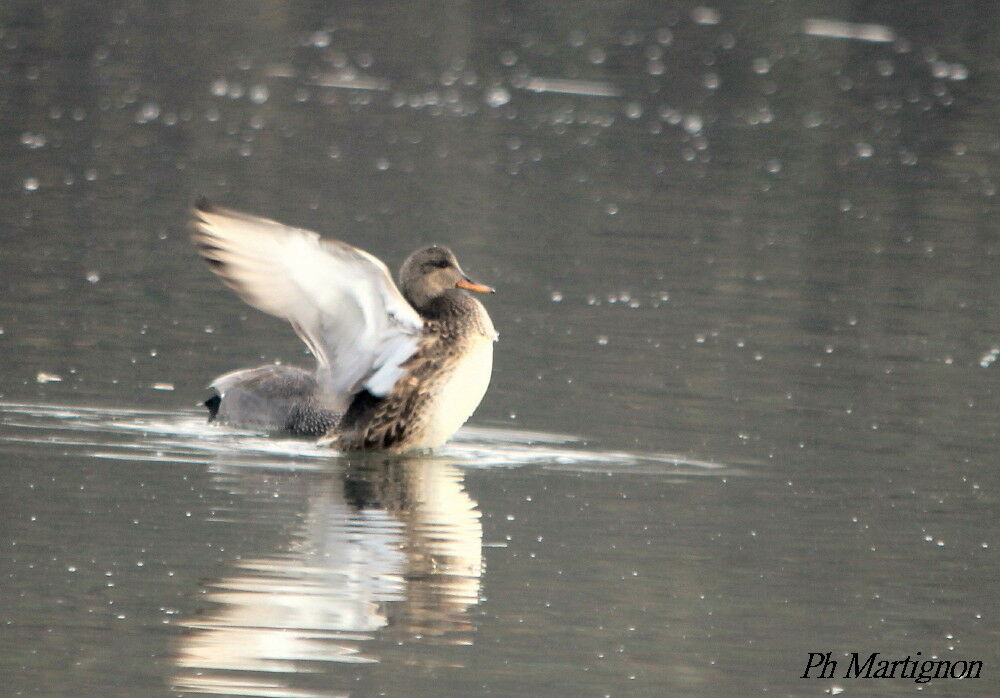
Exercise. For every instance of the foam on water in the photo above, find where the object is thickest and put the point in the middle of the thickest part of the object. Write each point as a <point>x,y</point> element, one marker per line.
<point>183,436</point>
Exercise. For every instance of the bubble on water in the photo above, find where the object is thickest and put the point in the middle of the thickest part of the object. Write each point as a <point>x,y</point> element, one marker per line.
<point>664,36</point>
<point>655,68</point>
<point>989,357</point>
<point>611,209</point>
<point>957,71</point>
<point>33,140</point>
<point>885,67</point>
<point>630,38</point>
<point>319,39</point>
<point>773,166</point>
<point>705,15</point>
<point>556,296</point>
<point>693,123</point>
<point>150,111</point>
<point>670,115</point>
<point>864,150</point>
<point>907,157</point>
<point>382,164</point>
<point>576,38</point>
<point>940,69</point>
<point>633,110</point>
<point>31,183</point>
<point>497,96</point>
<point>761,66</point>
<point>235,90</point>
<point>93,277</point>
<point>163,386</point>
<point>220,87</point>
<point>43,377</point>
<point>602,340</point>
<point>711,81</point>
<point>508,58</point>
<point>259,94</point>
<point>596,55</point>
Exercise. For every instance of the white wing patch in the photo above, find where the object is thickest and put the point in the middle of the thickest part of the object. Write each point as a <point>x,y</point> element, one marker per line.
<point>340,300</point>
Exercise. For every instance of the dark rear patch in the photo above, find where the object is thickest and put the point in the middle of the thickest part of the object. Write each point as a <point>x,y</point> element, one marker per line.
<point>212,404</point>
<point>361,409</point>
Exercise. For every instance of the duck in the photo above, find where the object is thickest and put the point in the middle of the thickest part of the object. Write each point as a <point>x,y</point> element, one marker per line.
<point>398,368</point>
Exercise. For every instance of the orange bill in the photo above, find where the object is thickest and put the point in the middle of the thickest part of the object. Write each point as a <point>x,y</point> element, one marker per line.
<point>470,285</point>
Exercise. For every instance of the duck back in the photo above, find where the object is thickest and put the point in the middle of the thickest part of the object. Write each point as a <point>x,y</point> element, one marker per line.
<point>273,397</point>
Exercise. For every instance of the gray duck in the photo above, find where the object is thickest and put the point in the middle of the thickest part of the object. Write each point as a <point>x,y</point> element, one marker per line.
<point>397,368</point>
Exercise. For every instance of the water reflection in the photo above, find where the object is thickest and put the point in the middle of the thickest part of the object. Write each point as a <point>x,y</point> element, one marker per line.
<point>384,545</point>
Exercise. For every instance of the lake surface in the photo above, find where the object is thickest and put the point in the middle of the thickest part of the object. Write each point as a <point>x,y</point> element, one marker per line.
<point>745,400</point>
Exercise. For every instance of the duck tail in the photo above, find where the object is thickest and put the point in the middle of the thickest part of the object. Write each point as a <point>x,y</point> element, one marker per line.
<point>212,404</point>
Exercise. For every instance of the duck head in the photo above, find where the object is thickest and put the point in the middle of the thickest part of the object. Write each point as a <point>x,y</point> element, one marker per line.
<point>431,272</point>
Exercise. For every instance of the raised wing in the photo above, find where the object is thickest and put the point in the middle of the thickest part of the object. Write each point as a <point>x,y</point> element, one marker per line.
<point>341,300</point>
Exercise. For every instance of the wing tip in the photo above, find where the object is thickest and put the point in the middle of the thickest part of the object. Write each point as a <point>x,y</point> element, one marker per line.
<point>203,205</point>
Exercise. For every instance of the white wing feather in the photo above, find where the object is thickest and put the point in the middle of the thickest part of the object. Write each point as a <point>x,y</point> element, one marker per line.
<point>340,300</point>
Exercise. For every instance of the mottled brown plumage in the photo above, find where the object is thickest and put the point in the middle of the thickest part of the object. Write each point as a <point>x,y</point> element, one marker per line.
<point>397,368</point>
<point>451,325</point>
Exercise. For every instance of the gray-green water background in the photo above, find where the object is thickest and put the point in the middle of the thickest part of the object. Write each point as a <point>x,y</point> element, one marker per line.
<point>763,245</point>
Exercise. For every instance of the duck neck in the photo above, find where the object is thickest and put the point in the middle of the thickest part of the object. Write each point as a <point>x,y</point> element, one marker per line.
<point>450,304</point>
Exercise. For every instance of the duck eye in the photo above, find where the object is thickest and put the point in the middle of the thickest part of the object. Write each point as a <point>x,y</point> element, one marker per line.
<point>442,264</point>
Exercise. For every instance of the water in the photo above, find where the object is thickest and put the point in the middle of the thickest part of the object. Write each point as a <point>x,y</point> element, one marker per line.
<point>745,397</point>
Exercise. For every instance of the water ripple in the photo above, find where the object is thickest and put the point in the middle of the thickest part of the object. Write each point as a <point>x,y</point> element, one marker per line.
<point>184,436</point>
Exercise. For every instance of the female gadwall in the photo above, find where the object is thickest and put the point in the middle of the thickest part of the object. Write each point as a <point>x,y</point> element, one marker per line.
<point>394,371</point>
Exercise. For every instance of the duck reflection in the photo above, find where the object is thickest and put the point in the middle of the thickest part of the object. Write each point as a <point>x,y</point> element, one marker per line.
<point>389,545</point>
